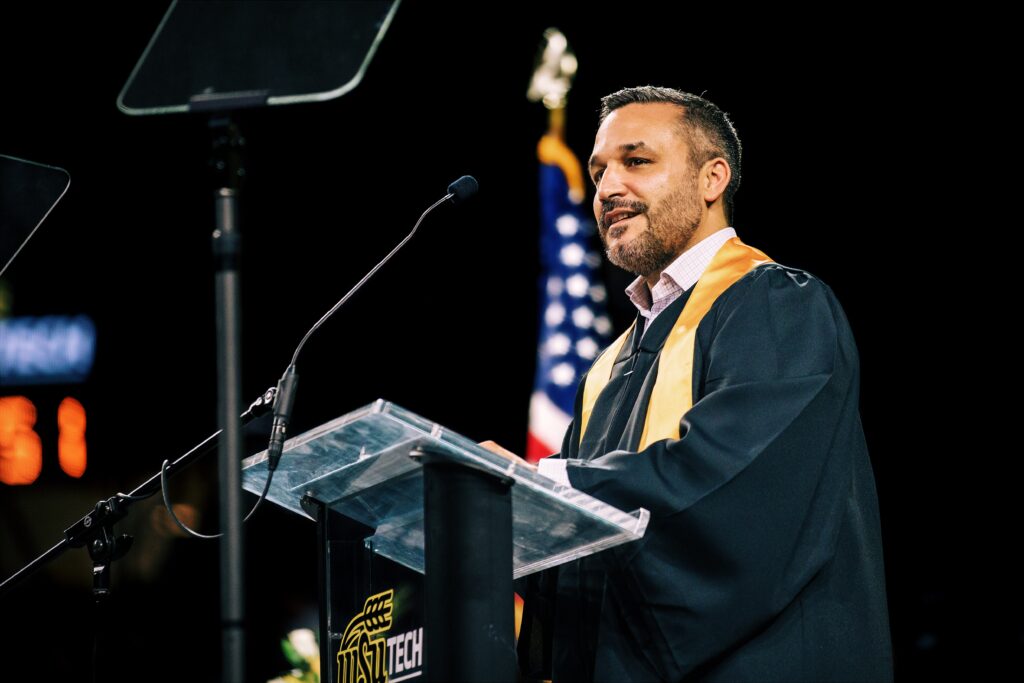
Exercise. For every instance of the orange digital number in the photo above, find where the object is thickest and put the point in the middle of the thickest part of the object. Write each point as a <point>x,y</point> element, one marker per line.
<point>71,442</point>
<point>21,450</point>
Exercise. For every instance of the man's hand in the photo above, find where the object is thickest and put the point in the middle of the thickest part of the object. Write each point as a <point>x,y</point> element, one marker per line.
<point>505,453</point>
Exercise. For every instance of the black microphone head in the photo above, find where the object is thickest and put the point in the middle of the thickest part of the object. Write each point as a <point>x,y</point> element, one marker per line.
<point>463,188</point>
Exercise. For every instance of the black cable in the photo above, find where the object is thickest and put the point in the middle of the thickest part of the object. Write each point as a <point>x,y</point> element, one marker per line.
<point>182,525</point>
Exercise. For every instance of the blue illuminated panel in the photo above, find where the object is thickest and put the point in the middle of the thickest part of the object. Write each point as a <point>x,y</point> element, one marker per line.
<point>46,350</point>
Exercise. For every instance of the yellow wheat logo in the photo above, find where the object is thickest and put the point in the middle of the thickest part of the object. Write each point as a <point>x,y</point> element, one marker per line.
<point>360,659</point>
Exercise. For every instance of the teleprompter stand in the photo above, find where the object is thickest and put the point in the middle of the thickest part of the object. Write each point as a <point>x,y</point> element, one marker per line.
<point>221,57</point>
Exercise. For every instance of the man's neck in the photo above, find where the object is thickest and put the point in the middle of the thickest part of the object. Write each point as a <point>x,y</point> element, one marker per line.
<point>705,229</point>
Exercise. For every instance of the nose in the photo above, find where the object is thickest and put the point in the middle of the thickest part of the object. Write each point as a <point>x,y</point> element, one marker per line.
<point>610,185</point>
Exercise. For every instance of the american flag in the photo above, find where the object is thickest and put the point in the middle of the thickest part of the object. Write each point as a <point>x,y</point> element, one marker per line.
<point>574,324</point>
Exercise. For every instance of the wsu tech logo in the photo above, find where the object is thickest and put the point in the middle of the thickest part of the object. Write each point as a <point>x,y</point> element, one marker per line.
<point>367,655</point>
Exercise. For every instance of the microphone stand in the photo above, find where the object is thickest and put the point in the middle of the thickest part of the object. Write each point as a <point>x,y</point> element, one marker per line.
<point>96,529</point>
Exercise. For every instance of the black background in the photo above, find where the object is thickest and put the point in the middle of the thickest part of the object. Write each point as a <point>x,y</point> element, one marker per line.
<point>868,147</point>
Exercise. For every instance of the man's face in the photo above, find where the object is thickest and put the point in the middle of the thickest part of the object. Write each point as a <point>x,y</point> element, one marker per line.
<point>647,203</point>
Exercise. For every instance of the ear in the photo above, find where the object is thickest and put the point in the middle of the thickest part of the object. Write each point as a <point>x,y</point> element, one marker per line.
<point>714,178</point>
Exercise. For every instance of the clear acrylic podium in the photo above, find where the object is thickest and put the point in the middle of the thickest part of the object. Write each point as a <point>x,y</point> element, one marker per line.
<point>405,488</point>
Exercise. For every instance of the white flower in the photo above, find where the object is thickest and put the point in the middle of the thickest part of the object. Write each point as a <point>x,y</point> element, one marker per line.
<point>304,642</point>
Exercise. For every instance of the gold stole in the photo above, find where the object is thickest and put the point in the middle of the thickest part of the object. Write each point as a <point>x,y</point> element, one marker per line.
<point>673,388</point>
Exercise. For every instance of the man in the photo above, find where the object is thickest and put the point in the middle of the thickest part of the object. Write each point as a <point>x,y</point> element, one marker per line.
<point>729,411</point>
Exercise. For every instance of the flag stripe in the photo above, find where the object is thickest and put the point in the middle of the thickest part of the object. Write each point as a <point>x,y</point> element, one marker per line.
<point>574,324</point>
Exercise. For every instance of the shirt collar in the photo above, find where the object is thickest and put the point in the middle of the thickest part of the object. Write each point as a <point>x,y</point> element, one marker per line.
<point>680,275</point>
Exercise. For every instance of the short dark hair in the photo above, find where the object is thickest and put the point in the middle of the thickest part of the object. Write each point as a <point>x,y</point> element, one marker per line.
<point>706,128</point>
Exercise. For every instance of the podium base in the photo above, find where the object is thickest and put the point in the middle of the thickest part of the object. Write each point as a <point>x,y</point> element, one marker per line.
<point>468,557</point>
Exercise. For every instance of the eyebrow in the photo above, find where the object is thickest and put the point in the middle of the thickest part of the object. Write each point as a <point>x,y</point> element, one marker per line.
<point>627,147</point>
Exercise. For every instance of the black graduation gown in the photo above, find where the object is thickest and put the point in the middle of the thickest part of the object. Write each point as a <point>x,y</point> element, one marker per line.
<point>762,560</point>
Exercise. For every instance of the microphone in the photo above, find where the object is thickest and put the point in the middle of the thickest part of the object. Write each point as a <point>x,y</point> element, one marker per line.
<point>458,192</point>
<point>283,402</point>
<point>462,189</point>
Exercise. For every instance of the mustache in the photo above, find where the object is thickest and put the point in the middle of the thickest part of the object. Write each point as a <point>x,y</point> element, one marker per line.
<point>610,205</point>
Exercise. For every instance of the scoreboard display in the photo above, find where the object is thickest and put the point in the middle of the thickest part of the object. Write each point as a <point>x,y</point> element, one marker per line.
<point>44,362</point>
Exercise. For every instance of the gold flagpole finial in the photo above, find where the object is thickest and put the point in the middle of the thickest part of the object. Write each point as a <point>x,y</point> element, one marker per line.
<point>552,79</point>
<point>553,71</point>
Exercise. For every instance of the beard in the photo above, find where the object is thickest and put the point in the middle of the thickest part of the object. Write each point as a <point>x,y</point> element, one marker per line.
<point>671,224</point>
